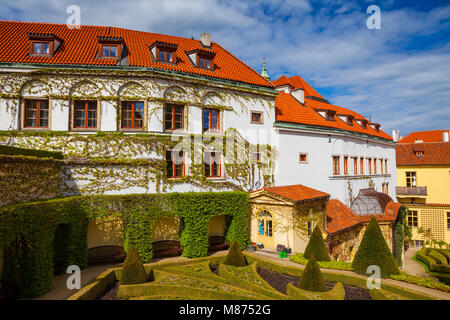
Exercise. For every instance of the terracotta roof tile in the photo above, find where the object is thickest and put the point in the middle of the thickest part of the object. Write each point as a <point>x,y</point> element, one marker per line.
<point>297,82</point>
<point>297,193</point>
<point>340,217</point>
<point>425,136</point>
<point>79,47</point>
<point>288,109</point>
<point>433,153</point>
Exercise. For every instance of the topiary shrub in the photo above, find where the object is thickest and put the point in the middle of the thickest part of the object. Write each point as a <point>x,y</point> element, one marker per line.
<point>437,256</point>
<point>374,250</point>
<point>317,246</point>
<point>311,279</point>
<point>235,257</point>
<point>133,271</point>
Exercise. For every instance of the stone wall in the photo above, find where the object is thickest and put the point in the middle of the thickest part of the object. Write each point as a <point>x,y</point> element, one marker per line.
<point>344,245</point>
<point>28,178</point>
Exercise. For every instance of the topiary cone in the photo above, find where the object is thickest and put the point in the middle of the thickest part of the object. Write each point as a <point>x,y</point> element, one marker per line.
<point>311,279</point>
<point>317,246</point>
<point>133,271</point>
<point>374,250</point>
<point>235,257</point>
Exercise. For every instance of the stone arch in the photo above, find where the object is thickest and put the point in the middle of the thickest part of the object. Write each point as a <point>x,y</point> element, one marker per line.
<point>175,93</point>
<point>35,88</point>
<point>132,89</point>
<point>84,88</point>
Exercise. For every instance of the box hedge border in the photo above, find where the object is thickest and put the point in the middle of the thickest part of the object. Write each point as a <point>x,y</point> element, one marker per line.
<point>16,151</point>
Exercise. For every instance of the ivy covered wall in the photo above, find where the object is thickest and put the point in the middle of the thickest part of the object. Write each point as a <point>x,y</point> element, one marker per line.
<point>24,178</point>
<point>42,237</point>
<point>118,163</point>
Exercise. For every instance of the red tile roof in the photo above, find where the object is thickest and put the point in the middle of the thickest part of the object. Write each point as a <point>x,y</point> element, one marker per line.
<point>297,82</point>
<point>425,136</point>
<point>288,109</point>
<point>340,217</point>
<point>297,193</point>
<point>79,47</point>
<point>434,153</point>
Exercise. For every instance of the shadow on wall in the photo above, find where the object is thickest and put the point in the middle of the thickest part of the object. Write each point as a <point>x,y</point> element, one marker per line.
<point>106,232</point>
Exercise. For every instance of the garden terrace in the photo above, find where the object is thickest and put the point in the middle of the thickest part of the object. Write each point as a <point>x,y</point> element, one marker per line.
<point>209,278</point>
<point>37,236</point>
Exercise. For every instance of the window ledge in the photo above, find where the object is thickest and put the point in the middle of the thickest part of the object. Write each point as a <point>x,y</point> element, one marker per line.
<point>358,176</point>
<point>35,129</point>
<point>216,179</point>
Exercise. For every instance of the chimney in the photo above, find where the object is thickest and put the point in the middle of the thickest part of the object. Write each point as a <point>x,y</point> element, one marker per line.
<point>205,39</point>
<point>299,95</point>
<point>445,136</point>
<point>395,135</point>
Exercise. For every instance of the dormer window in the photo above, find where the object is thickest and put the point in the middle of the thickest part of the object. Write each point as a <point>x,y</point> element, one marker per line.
<point>41,47</point>
<point>350,120</point>
<point>164,52</point>
<point>362,123</point>
<point>375,126</point>
<point>109,50</point>
<point>166,56</point>
<point>203,59</point>
<point>204,63</point>
<point>330,115</point>
<point>43,44</point>
<point>110,47</point>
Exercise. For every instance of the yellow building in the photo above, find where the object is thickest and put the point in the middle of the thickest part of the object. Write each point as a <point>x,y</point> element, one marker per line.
<point>423,184</point>
<point>286,216</point>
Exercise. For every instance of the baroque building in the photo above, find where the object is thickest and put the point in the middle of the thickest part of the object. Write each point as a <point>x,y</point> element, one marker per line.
<point>135,112</point>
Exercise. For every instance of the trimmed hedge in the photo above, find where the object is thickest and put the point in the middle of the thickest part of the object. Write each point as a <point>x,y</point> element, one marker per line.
<point>16,151</point>
<point>445,253</point>
<point>133,271</point>
<point>337,293</point>
<point>374,250</point>
<point>235,257</point>
<point>350,280</point>
<point>333,264</point>
<point>438,257</point>
<point>311,279</point>
<point>421,256</point>
<point>28,230</point>
<point>421,281</point>
<point>316,246</point>
<point>97,287</point>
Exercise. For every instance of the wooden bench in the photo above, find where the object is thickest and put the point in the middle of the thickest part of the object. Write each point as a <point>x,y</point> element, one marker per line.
<point>106,254</point>
<point>166,248</point>
<point>217,243</point>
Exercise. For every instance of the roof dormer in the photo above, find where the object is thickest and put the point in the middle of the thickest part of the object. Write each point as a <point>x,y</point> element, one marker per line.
<point>375,126</point>
<point>327,114</point>
<point>362,122</point>
<point>110,47</point>
<point>164,52</point>
<point>347,118</point>
<point>43,44</point>
<point>203,59</point>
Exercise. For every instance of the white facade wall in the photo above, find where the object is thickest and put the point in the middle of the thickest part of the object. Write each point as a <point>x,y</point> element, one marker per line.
<point>317,172</point>
<point>109,90</point>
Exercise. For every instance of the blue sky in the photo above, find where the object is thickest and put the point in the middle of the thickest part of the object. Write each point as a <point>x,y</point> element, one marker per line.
<point>398,75</point>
